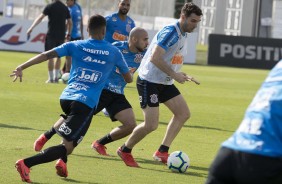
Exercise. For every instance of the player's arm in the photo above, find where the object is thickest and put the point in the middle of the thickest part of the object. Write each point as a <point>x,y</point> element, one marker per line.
<point>35,60</point>
<point>128,77</point>
<point>35,23</point>
<point>157,60</point>
<point>69,28</point>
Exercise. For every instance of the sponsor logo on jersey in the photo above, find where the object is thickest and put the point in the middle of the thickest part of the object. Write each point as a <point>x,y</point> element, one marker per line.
<point>87,75</point>
<point>94,51</point>
<point>90,59</point>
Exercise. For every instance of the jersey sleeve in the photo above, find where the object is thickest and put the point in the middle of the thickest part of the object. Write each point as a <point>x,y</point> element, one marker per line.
<point>63,50</point>
<point>167,37</point>
<point>46,10</point>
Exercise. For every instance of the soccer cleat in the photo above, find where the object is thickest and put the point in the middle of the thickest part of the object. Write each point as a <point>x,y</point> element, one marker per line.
<point>23,170</point>
<point>161,156</point>
<point>61,168</point>
<point>127,158</point>
<point>100,148</point>
<point>39,143</point>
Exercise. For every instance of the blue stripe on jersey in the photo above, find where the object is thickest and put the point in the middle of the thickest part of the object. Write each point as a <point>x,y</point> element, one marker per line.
<point>167,37</point>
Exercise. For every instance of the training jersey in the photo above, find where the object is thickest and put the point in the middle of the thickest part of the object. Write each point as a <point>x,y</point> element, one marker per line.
<point>116,82</point>
<point>92,63</point>
<point>57,13</point>
<point>117,29</point>
<point>172,41</point>
<point>76,17</point>
<point>260,132</point>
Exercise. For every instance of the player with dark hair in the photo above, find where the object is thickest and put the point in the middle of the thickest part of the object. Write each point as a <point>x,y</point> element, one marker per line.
<point>93,61</point>
<point>112,98</point>
<point>159,68</point>
<point>119,24</point>
<point>58,14</point>
<point>253,154</point>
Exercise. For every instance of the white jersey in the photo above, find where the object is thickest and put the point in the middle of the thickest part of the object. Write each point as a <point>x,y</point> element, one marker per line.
<point>172,40</point>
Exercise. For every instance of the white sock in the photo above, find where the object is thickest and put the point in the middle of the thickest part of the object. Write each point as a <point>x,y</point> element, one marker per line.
<point>57,73</point>
<point>51,75</point>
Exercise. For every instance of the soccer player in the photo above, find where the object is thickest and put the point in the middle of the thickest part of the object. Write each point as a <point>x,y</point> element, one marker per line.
<point>58,14</point>
<point>119,24</point>
<point>93,61</point>
<point>112,97</point>
<point>253,154</point>
<point>77,28</point>
<point>159,68</point>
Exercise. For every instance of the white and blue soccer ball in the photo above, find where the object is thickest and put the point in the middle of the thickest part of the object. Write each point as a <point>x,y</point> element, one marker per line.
<point>178,161</point>
<point>65,78</point>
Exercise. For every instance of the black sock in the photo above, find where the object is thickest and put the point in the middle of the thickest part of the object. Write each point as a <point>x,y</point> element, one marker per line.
<point>163,148</point>
<point>106,139</point>
<point>48,134</point>
<point>125,149</point>
<point>47,155</point>
<point>65,158</point>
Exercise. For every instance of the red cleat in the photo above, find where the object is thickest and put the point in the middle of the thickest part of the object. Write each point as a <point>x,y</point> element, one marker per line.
<point>39,143</point>
<point>127,158</point>
<point>61,168</point>
<point>161,156</point>
<point>100,148</point>
<point>23,170</point>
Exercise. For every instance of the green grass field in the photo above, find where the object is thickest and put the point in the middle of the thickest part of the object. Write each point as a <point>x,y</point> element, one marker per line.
<point>29,108</point>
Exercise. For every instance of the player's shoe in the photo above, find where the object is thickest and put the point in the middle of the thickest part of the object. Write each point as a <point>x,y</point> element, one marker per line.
<point>39,143</point>
<point>61,168</point>
<point>127,158</point>
<point>161,156</point>
<point>23,170</point>
<point>100,148</point>
<point>106,112</point>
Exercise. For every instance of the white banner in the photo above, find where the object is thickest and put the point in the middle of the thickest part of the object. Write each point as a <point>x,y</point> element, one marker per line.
<point>13,35</point>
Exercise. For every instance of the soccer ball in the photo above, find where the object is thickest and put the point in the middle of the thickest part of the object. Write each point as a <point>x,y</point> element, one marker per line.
<point>178,161</point>
<point>65,77</point>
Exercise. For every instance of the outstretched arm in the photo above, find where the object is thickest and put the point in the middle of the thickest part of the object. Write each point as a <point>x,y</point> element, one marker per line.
<point>35,23</point>
<point>17,73</point>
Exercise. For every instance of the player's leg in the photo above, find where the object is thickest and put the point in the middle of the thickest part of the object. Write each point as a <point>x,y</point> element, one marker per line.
<point>57,70</point>
<point>181,114</point>
<point>119,110</point>
<point>43,138</point>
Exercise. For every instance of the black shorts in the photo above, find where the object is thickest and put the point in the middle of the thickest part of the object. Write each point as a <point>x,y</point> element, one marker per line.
<point>232,167</point>
<point>77,120</point>
<point>153,94</point>
<point>113,102</point>
<point>51,43</point>
<point>73,39</point>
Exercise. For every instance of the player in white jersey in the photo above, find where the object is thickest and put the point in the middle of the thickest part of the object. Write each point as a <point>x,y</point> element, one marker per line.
<point>253,154</point>
<point>159,68</point>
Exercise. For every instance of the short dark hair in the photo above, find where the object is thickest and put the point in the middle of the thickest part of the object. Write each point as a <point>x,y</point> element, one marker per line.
<point>95,23</point>
<point>190,8</point>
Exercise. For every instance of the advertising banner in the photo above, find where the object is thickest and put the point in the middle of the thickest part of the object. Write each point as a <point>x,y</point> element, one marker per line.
<point>242,51</point>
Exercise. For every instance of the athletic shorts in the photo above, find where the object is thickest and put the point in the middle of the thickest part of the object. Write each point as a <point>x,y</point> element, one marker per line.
<point>153,94</point>
<point>77,120</point>
<point>113,102</point>
<point>234,167</point>
<point>51,43</point>
<point>73,39</point>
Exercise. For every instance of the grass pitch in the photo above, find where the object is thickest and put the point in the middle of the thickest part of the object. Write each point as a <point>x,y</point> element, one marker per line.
<point>29,108</point>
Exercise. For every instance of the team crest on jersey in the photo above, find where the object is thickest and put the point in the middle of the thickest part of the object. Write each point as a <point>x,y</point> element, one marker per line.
<point>128,27</point>
<point>138,58</point>
<point>65,129</point>
<point>124,51</point>
<point>154,98</point>
<point>114,19</point>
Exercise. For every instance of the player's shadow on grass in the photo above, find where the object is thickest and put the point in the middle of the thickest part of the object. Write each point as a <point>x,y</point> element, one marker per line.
<point>68,180</point>
<point>191,126</point>
<point>17,127</point>
<point>144,162</point>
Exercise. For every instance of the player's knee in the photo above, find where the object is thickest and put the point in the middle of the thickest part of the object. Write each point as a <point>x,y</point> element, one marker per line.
<point>150,127</point>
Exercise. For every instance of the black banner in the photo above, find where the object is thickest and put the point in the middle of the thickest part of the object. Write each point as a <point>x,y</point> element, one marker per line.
<point>242,51</point>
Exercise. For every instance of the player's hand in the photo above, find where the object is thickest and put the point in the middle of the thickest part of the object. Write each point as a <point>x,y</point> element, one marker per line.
<point>17,73</point>
<point>192,79</point>
<point>180,77</point>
